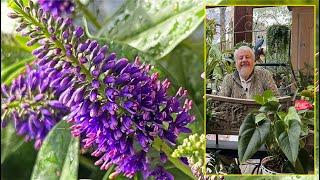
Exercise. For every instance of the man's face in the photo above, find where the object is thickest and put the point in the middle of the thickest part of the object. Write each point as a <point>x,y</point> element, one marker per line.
<point>244,63</point>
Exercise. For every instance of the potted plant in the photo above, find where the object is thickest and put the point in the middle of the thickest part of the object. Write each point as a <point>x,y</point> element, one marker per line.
<point>280,129</point>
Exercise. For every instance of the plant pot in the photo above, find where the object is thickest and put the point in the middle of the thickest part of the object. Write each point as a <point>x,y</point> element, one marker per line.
<point>264,169</point>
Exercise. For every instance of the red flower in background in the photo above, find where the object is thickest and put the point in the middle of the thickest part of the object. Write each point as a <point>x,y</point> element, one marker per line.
<point>302,105</point>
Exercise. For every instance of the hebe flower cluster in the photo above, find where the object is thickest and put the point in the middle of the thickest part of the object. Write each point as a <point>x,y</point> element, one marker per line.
<point>115,105</point>
<point>31,103</point>
<point>57,7</point>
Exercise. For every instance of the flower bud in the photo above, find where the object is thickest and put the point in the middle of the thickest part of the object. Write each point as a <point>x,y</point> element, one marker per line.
<point>78,32</point>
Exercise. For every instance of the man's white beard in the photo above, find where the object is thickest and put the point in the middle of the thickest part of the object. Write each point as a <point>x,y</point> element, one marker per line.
<point>245,72</point>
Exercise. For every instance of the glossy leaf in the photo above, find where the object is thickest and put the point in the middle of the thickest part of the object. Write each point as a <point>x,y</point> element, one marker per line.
<point>58,156</point>
<point>251,137</point>
<point>154,27</point>
<point>292,115</point>
<point>19,164</point>
<point>11,53</point>
<point>13,70</point>
<point>266,97</point>
<point>288,138</point>
<point>259,99</point>
<point>281,115</point>
<point>10,142</point>
<point>259,117</point>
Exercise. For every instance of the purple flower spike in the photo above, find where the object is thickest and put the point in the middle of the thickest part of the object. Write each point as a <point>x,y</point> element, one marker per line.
<point>117,107</point>
<point>28,123</point>
<point>57,7</point>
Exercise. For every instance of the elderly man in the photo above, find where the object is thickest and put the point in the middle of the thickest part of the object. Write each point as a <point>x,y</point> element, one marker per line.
<point>248,80</point>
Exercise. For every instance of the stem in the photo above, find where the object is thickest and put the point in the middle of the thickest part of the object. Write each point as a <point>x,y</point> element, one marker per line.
<point>89,15</point>
<point>135,177</point>
<point>159,145</point>
<point>106,176</point>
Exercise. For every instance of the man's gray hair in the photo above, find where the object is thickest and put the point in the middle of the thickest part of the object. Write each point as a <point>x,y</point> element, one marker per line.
<point>243,48</point>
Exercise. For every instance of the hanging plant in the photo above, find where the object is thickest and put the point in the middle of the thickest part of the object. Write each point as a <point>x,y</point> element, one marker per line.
<point>278,39</point>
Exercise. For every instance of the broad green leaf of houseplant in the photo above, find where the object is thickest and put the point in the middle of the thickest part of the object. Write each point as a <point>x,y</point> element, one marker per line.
<point>58,157</point>
<point>292,114</point>
<point>251,137</point>
<point>154,27</point>
<point>288,135</point>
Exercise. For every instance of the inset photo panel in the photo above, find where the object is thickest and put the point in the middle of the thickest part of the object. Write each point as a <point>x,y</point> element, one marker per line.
<point>260,90</point>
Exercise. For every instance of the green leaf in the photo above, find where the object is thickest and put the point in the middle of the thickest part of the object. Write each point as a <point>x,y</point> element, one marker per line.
<point>268,94</point>
<point>10,142</point>
<point>106,175</point>
<point>58,157</point>
<point>270,106</point>
<point>13,70</point>
<point>19,164</point>
<point>259,117</point>
<point>11,52</point>
<point>22,41</point>
<point>267,97</point>
<point>292,115</point>
<point>288,138</point>
<point>251,137</point>
<point>71,162</point>
<point>259,99</point>
<point>154,27</point>
<point>281,115</point>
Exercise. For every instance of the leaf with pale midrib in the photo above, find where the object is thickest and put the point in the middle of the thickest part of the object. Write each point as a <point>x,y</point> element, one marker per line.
<point>252,137</point>
<point>288,138</point>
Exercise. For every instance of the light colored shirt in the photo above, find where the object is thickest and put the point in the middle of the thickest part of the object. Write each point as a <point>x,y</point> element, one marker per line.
<point>246,85</point>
